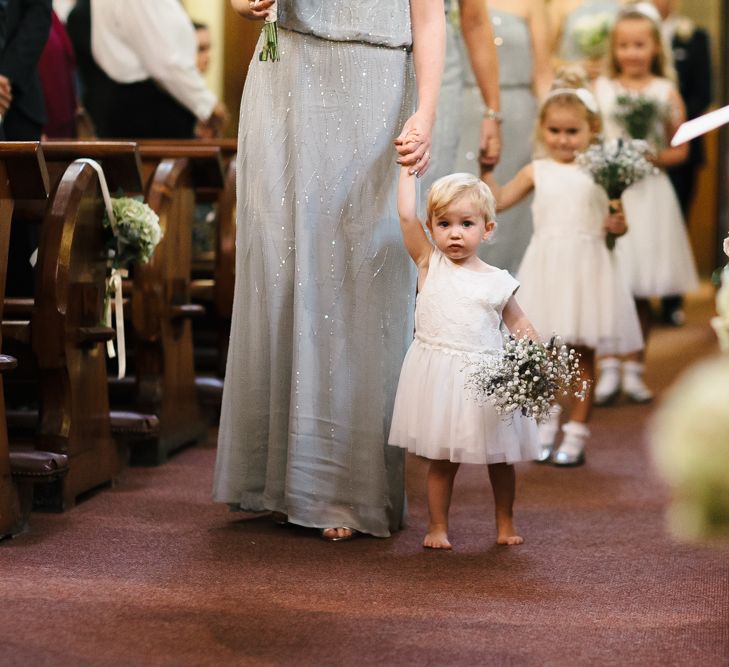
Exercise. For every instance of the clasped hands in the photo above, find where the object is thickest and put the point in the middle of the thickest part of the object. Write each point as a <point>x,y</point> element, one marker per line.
<point>414,143</point>
<point>253,10</point>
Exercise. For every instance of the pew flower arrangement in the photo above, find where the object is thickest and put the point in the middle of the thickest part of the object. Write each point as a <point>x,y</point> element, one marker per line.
<point>526,376</point>
<point>690,439</point>
<point>591,34</point>
<point>615,166</point>
<point>269,51</point>
<point>134,233</point>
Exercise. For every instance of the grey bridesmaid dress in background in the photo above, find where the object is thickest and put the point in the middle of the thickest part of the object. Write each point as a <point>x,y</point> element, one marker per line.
<point>507,245</point>
<point>324,296</point>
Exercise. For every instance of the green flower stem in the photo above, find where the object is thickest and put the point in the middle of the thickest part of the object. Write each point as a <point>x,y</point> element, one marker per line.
<point>270,43</point>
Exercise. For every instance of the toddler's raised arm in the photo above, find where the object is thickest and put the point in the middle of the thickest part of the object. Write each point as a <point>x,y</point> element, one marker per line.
<point>413,234</point>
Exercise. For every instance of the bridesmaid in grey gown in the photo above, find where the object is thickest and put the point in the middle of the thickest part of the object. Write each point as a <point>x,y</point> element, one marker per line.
<point>323,304</point>
<point>469,38</point>
<point>522,42</point>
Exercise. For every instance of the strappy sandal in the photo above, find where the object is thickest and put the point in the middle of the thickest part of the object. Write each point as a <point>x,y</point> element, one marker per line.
<point>339,538</point>
<point>279,518</point>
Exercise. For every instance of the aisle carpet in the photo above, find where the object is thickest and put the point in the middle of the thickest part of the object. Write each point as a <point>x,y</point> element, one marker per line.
<point>151,572</point>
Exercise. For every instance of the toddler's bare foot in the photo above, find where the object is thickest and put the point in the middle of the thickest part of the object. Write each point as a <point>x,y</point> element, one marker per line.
<point>506,533</point>
<point>436,538</point>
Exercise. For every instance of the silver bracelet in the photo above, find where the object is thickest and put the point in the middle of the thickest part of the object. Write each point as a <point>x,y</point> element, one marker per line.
<point>492,114</point>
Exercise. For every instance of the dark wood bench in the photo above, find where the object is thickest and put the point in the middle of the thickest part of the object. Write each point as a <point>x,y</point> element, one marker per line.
<point>23,174</point>
<point>213,272</point>
<point>60,338</point>
<point>161,304</point>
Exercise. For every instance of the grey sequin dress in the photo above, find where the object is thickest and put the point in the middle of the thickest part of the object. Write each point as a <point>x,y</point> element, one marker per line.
<point>324,289</point>
<point>507,245</point>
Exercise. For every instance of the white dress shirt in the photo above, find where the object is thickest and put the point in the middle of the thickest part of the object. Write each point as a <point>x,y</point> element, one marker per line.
<point>137,40</point>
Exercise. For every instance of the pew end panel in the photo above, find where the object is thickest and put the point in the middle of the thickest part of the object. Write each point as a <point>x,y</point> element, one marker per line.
<point>66,338</point>
<point>23,175</point>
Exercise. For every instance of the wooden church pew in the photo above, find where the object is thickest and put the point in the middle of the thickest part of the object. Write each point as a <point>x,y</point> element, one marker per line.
<point>63,330</point>
<point>213,274</point>
<point>213,279</point>
<point>161,305</point>
<point>22,175</point>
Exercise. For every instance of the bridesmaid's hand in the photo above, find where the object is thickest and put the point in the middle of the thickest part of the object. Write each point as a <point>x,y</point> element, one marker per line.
<point>414,143</point>
<point>252,10</point>
<point>490,146</point>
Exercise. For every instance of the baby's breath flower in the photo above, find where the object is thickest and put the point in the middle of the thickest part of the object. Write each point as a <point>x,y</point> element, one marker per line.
<point>526,376</point>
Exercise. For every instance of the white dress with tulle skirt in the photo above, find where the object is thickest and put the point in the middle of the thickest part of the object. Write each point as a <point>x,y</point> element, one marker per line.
<point>655,255</point>
<point>570,285</point>
<point>457,319</point>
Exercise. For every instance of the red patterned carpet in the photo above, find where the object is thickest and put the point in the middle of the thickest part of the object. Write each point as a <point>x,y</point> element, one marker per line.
<point>152,573</point>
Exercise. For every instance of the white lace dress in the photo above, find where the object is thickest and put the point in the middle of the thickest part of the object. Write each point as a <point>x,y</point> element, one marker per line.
<point>457,318</point>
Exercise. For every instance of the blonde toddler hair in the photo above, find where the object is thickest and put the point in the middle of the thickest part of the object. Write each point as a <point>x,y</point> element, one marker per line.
<point>449,188</point>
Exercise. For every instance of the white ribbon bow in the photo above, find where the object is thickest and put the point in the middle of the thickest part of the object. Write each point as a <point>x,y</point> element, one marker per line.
<point>114,281</point>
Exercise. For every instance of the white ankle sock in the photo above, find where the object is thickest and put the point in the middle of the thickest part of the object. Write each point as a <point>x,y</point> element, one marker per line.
<point>548,429</point>
<point>575,437</point>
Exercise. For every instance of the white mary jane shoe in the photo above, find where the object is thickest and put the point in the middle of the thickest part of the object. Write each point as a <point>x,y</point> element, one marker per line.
<point>571,451</point>
<point>632,385</point>
<point>607,388</point>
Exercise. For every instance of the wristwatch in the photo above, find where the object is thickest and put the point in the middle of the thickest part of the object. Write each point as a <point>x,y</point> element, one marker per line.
<point>492,114</point>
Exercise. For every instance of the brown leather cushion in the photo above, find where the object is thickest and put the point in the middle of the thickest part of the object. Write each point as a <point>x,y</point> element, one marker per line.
<point>29,463</point>
<point>134,423</point>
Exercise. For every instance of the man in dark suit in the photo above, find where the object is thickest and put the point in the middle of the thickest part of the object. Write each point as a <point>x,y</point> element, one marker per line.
<point>96,86</point>
<point>692,59</point>
<point>24,27</point>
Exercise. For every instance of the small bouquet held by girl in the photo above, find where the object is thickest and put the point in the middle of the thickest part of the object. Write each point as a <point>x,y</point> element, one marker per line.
<point>639,115</point>
<point>615,166</point>
<point>528,376</point>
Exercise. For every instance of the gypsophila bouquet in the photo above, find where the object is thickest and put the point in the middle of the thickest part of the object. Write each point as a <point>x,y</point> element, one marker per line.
<point>640,116</point>
<point>591,34</point>
<point>135,234</point>
<point>527,376</point>
<point>269,51</point>
<point>615,166</point>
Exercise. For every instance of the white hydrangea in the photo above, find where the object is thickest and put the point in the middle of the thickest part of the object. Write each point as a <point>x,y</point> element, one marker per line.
<point>137,231</point>
<point>690,444</point>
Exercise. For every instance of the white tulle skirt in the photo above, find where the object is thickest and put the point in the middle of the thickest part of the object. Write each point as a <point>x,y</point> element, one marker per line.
<point>435,416</point>
<point>655,256</point>
<point>570,287</point>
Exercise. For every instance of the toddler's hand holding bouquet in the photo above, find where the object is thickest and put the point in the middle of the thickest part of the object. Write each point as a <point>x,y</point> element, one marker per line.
<point>527,376</point>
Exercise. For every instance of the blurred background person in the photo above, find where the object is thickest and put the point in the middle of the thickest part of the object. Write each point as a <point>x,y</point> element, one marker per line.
<point>521,38</point>
<point>149,50</point>
<point>24,27</point>
<point>94,85</point>
<point>689,48</point>
<point>57,69</point>
<point>469,37</point>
